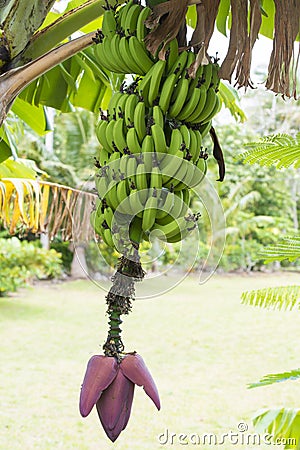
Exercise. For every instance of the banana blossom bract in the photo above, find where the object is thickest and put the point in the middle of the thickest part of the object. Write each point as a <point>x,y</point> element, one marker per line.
<point>109,385</point>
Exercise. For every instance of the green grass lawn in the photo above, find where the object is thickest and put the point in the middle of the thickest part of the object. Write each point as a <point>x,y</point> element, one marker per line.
<point>201,345</point>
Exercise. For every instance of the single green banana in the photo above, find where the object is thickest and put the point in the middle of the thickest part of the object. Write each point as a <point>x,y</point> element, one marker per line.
<point>156,179</point>
<point>207,74</point>
<point>204,129</point>
<point>166,92</point>
<point>157,74</point>
<point>172,54</point>
<point>110,136</point>
<point>165,205</point>
<point>111,195</point>
<point>150,212</point>
<point>215,111</point>
<point>119,136</point>
<point>148,150</point>
<point>101,133</point>
<point>103,157</point>
<point>179,65</point>
<point>108,216</point>
<point>159,139</point>
<point>158,116</point>
<point>141,30</point>
<point>135,231</point>
<point>210,104</point>
<point>140,55</point>
<point>141,182</point>
<point>117,56</point>
<point>129,109</point>
<point>109,24</point>
<point>200,106</point>
<point>133,141</point>
<point>139,120</point>
<point>101,56</point>
<point>179,96</point>
<point>184,130</point>
<point>190,105</point>
<point>113,103</point>
<point>131,19</point>
<point>126,55</point>
<point>176,143</point>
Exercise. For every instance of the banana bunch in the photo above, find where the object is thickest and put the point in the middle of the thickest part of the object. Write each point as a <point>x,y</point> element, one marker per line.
<point>150,136</point>
<point>121,47</point>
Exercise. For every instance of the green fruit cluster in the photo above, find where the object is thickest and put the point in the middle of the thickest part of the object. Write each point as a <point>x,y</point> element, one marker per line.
<point>151,136</point>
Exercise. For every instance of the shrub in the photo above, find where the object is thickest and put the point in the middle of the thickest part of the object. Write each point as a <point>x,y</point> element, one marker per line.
<point>21,262</point>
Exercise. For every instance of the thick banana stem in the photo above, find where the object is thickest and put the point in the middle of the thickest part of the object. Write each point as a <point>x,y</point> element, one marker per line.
<point>119,300</point>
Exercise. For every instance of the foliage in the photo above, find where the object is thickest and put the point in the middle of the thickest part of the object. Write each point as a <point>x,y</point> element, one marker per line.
<point>283,297</point>
<point>63,248</point>
<point>21,262</point>
<point>282,423</point>
<point>277,378</point>
<point>281,149</point>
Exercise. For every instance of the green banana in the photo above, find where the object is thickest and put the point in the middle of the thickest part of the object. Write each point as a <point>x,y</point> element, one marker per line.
<point>150,212</point>
<point>159,139</point>
<point>119,137</point>
<point>200,105</point>
<point>139,120</point>
<point>176,143</point>
<point>157,74</point>
<point>184,130</point>
<point>129,109</point>
<point>179,96</point>
<point>133,141</point>
<point>101,133</point>
<point>165,205</point>
<point>140,56</point>
<point>207,74</point>
<point>158,116</point>
<point>148,150</point>
<point>109,24</point>
<point>131,19</point>
<point>166,92</point>
<point>141,30</point>
<point>214,111</point>
<point>117,56</point>
<point>210,103</point>
<point>171,54</point>
<point>126,55</point>
<point>103,157</point>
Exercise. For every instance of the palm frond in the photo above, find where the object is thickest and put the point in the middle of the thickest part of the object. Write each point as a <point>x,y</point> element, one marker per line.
<point>288,248</point>
<point>281,297</point>
<point>39,206</point>
<point>276,378</point>
<point>229,97</point>
<point>281,150</point>
<point>280,424</point>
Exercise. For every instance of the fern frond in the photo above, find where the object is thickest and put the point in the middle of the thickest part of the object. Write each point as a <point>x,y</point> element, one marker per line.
<point>281,150</point>
<point>282,297</point>
<point>276,378</point>
<point>288,248</point>
<point>282,423</point>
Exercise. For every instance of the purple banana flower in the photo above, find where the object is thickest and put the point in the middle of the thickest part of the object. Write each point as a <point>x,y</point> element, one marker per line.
<point>110,385</point>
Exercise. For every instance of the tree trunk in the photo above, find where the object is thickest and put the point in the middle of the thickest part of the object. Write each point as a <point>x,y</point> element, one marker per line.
<point>79,268</point>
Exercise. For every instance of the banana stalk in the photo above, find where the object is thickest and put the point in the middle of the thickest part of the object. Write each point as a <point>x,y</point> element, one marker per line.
<point>56,32</point>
